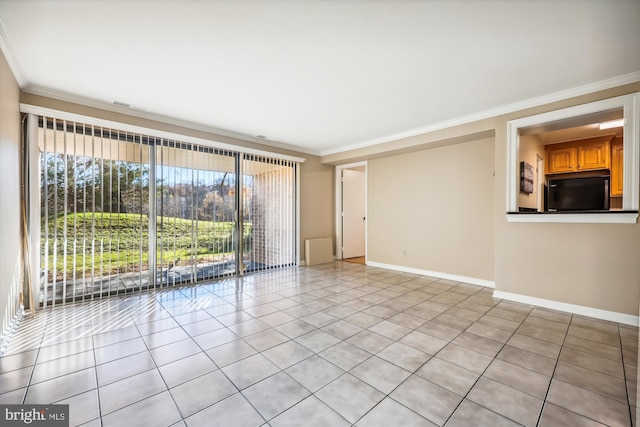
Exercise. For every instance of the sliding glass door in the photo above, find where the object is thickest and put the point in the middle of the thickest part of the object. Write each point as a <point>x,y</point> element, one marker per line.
<point>94,188</point>
<point>195,216</point>
<point>122,211</point>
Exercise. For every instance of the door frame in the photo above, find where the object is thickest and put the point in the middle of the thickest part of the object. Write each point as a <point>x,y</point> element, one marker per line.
<point>32,177</point>
<point>540,183</point>
<point>338,187</point>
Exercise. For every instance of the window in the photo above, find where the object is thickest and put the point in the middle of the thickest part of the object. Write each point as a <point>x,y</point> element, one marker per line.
<point>122,210</point>
<point>529,138</point>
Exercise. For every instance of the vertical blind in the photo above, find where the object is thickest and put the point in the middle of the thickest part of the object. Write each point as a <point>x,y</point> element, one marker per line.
<point>269,206</point>
<point>94,191</point>
<point>195,214</point>
<point>122,211</point>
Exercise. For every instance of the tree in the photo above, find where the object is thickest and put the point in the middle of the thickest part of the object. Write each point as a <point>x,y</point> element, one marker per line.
<point>93,184</point>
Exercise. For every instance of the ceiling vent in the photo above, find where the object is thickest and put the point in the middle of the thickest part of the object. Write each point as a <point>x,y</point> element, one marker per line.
<point>121,104</point>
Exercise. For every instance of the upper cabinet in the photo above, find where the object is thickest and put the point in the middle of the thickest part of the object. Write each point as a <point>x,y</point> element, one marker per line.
<point>581,155</point>
<point>593,154</point>
<point>617,171</point>
<point>561,159</point>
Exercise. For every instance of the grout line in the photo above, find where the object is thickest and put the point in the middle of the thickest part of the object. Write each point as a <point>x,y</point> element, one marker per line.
<point>624,374</point>
<point>202,351</point>
<point>485,369</point>
<point>555,367</point>
<point>434,355</point>
<point>35,362</point>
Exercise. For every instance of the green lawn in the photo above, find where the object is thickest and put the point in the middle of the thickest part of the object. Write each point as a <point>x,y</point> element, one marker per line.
<point>120,242</point>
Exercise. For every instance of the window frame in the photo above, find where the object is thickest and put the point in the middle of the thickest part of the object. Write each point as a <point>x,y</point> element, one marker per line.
<point>630,105</point>
<point>32,163</point>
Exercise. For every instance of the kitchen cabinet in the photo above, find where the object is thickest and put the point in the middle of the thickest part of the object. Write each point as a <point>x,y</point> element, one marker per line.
<point>561,159</point>
<point>617,167</point>
<point>593,155</point>
<point>577,156</point>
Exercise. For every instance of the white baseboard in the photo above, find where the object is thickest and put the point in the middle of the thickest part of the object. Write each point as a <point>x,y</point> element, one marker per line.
<point>612,316</point>
<point>438,274</point>
<point>597,313</point>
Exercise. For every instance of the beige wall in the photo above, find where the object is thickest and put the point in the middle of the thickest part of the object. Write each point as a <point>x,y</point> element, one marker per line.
<point>437,205</point>
<point>467,132</point>
<point>316,179</point>
<point>10,217</point>
<point>317,202</point>
<point>593,265</point>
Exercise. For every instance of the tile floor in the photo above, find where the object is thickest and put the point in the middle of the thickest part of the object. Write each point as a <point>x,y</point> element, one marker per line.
<point>330,345</point>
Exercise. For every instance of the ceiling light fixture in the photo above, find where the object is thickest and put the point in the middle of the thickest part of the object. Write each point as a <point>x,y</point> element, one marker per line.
<point>612,124</point>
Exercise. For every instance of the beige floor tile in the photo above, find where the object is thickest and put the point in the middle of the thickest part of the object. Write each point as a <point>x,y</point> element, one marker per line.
<point>311,412</point>
<point>553,416</point>
<point>506,401</point>
<point>350,397</point>
<point>423,342</point>
<point>130,390</point>
<point>448,353</point>
<point>232,411</point>
<point>471,414</point>
<point>464,357</point>
<point>427,399</point>
<point>404,356</point>
<point>274,395</point>
<point>287,354</point>
<point>250,371</point>
<point>587,379</point>
<point>380,374</point>
<point>314,373</point>
<point>389,413</point>
<point>452,377</point>
<point>186,369</point>
<point>519,378</point>
<point>589,404</point>
<point>190,398</point>
<point>156,410</point>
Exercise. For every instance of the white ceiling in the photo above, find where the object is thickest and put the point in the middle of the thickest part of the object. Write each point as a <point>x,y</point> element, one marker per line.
<point>321,76</point>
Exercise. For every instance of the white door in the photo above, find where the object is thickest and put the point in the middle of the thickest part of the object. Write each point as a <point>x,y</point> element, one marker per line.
<point>353,213</point>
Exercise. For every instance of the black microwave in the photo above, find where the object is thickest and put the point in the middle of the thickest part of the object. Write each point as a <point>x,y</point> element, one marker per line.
<point>578,194</point>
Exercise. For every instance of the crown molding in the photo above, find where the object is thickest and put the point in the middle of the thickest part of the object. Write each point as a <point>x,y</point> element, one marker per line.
<point>133,112</point>
<point>9,53</point>
<point>498,111</point>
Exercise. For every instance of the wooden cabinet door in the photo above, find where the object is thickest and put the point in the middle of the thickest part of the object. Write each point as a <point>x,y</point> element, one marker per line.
<point>561,159</point>
<point>617,168</point>
<point>593,155</point>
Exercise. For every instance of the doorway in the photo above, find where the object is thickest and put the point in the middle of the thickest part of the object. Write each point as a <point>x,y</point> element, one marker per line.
<point>351,214</point>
